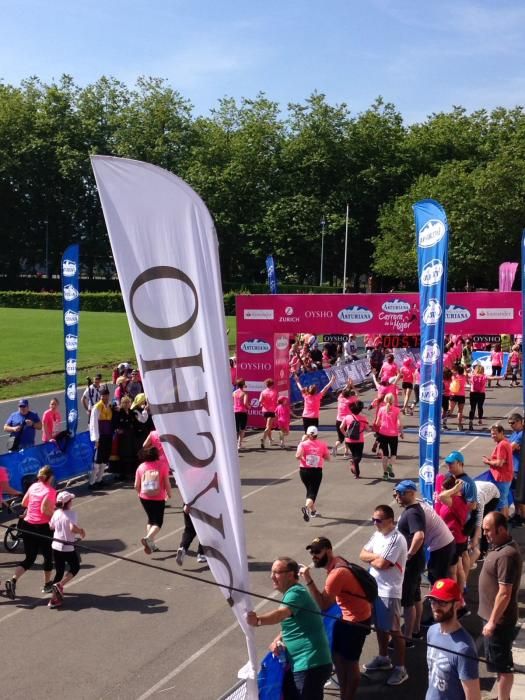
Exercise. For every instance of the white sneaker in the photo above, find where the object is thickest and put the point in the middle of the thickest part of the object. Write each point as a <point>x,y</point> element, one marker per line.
<point>378,663</point>
<point>179,557</point>
<point>398,676</point>
<point>201,559</point>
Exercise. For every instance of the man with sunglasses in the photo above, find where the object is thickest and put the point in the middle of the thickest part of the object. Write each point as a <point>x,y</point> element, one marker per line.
<point>386,555</point>
<point>343,588</point>
<point>302,634</point>
<point>453,672</point>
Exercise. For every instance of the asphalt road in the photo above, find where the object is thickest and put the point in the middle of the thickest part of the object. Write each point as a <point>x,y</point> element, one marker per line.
<point>128,630</point>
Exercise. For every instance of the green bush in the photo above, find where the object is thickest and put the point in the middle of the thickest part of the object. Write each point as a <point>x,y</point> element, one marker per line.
<point>89,301</point>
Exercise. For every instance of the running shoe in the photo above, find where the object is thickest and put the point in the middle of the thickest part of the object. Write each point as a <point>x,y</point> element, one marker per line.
<point>10,588</point>
<point>334,451</point>
<point>146,544</point>
<point>47,587</point>
<point>398,676</point>
<point>385,476</point>
<point>315,514</point>
<point>390,472</point>
<point>201,559</point>
<point>58,591</point>
<point>352,468</point>
<point>263,446</point>
<point>306,515</point>
<point>378,663</point>
<point>179,557</point>
<point>55,602</point>
<point>154,547</point>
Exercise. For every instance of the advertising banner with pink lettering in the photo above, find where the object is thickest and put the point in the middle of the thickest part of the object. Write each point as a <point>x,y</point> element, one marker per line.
<point>166,254</point>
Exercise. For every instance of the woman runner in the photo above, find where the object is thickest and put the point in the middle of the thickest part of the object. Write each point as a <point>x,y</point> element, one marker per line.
<point>312,401</point>
<point>389,430</point>
<point>311,454</point>
<point>240,409</point>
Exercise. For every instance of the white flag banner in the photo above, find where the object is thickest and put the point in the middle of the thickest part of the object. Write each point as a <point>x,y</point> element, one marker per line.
<point>166,254</point>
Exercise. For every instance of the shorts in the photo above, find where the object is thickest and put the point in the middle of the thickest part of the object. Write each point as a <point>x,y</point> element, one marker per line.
<point>340,435</point>
<point>496,371</point>
<point>439,562</point>
<point>356,448</point>
<point>407,385</point>
<point>445,403</point>
<point>154,510</point>
<point>460,548</point>
<point>348,639</point>
<point>411,593</point>
<point>388,444</point>
<point>387,614</point>
<point>498,649</point>
<point>241,421</point>
<point>503,488</point>
<point>460,400</point>
<point>268,414</point>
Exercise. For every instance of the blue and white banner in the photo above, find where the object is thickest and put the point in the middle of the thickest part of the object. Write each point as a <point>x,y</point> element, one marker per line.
<point>523,312</point>
<point>272,275</point>
<point>432,255</point>
<point>71,306</point>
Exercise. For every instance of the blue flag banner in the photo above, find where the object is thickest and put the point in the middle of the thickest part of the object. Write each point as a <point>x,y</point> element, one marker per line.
<point>523,301</point>
<point>272,275</point>
<point>432,255</point>
<point>71,306</point>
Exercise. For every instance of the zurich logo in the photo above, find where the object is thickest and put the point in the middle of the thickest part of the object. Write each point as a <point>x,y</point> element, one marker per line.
<point>289,310</point>
<point>432,313</point>
<point>71,391</point>
<point>70,318</point>
<point>456,314</point>
<point>431,233</point>
<point>72,416</point>
<point>428,392</point>
<point>396,306</point>
<point>428,433</point>
<point>281,343</point>
<point>355,314</point>
<point>426,472</point>
<point>431,353</point>
<point>70,292</point>
<point>255,346</point>
<point>71,341</point>
<point>69,268</point>
<point>71,368</point>
<point>432,273</point>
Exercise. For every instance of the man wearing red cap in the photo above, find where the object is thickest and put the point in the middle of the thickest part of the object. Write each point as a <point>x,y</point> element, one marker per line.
<point>451,653</point>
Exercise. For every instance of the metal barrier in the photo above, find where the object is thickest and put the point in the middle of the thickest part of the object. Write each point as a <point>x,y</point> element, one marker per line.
<point>238,692</point>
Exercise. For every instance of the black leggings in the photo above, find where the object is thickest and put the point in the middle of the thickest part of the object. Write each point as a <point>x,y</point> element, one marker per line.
<point>477,399</point>
<point>307,422</point>
<point>37,539</point>
<point>311,478</point>
<point>63,558</point>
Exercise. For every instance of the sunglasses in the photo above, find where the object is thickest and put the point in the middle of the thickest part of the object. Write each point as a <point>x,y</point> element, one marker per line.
<point>377,520</point>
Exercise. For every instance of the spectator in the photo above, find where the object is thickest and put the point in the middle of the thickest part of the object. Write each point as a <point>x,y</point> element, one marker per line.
<point>188,535</point>
<point>350,348</point>
<point>91,394</point>
<point>439,542</point>
<point>453,673</point>
<point>343,588</point>
<point>121,389</point>
<point>499,585</point>
<point>135,385</point>
<point>22,425</point>
<point>386,554</point>
<point>501,466</point>
<point>51,420</point>
<point>516,439</point>
<point>488,499</point>
<point>101,433</point>
<point>302,634</point>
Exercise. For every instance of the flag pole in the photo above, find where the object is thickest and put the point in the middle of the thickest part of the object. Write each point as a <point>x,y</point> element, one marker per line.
<point>346,248</point>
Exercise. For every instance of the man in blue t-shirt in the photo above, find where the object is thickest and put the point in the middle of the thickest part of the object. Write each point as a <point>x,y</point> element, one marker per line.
<point>456,464</point>
<point>21,426</point>
<point>515,439</point>
<point>451,653</point>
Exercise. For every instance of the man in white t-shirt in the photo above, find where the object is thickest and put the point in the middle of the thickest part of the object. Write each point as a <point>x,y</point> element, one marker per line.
<point>386,554</point>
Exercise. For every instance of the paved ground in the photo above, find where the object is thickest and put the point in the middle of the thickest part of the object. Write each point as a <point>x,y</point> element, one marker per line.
<point>131,631</point>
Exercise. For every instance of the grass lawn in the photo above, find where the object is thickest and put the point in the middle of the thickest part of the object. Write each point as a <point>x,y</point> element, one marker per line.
<point>33,351</point>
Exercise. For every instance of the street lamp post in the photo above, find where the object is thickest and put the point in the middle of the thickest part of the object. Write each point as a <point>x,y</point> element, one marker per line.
<point>323,223</point>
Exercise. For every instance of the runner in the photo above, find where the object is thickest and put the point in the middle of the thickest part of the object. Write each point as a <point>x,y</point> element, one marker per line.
<point>478,385</point>
<point>445,401</point>
<point>152,483</point>
<point>268,401</point>
<point>389,430</point>
<point>282,413</point>
<point>240,409</point>
<point>407,379</point>
<point>64,525</point>
<point>312,401</point>
<point>345,399</point>
<point>311,454</point>
<point>496,360</point>
<point>355,435</point>
<point>458,387</point>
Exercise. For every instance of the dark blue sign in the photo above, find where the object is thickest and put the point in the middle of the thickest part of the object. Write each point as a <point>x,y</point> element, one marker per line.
<point>432,256</point>
<point>71,306</point>
<point>272,275</point>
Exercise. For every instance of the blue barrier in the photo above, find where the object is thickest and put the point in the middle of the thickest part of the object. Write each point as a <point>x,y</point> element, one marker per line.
<point>319,378</point>
<point>75,460</point>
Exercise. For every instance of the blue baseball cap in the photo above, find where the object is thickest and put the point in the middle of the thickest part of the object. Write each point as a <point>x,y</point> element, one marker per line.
<point>24,403</point>
<point>405,485</point>
<point>455,457</point>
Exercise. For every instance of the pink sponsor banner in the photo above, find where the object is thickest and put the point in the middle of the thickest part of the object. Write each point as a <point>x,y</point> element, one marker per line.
<point>255,364</point>
<point>387,314</point>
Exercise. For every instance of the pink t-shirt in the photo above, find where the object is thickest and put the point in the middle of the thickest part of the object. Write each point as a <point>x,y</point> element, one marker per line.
<point>478,383</point>
<point>456,515</point>
<point>282,413</point>
<point>390,389</point>
<point>407,373</point>
<point>163,471</point>
<point>388,370</point>
<point>50,423</point>
<point>268,400</point>
<point>496,359</point>
<point>462,382</point>
<point>514,359</point>
<point>37,492</point>
<point>312,405</point>
<point>312,453</point>
<point>343,406</point>
<point>238,401</point>
<point>363,425</point>
<point>387,421</point>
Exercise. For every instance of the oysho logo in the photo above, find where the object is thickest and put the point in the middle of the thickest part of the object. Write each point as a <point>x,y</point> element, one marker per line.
<point>432,313</point>
<point>70,318</point>
<point>255,365</point>
<point>355,314</point>
<point>428,392</point>
<point>426,472</point>
<point>431,353</point>
<point>71,368</point>
<point>431,233</point>
<point>318,314</point>
<point>255,346</point>
<point>69,268</point>
<point>427,432</point>
<point>71,391</point>
<point>281,343</point>
<point>70,292</point>
<point>72,416</point>
<point>456,314</point>
<point>432,273</point>
<point>396,306</point>
<point>71,341</point>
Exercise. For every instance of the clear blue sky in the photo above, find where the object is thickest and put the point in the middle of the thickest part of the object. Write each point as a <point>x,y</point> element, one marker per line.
<point>422,55</point>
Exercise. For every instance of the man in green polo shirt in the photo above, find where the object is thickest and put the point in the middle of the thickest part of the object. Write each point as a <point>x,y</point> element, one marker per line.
<point>302,634</point>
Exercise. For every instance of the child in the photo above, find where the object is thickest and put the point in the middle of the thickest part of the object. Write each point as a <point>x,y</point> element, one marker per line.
<point>282,413</point>
<point>64,524</point>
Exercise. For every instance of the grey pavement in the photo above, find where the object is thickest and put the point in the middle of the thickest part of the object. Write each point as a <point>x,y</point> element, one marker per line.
<point>131,631</point>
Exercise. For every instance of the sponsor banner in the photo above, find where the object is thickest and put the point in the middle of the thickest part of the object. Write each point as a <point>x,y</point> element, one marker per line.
<point>335,337</point>
<point>436,310</point>
<point>255,367</point>
<point>71,307</point>
<point>472,313</point>
<point>522,329</point>
<point>166,255</point>
<point>486,339</point>
<point>272,275</point>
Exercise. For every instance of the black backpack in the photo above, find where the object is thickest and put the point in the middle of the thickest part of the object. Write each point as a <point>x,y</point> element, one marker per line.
<point>354,431</point>
<point>365,579</point>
